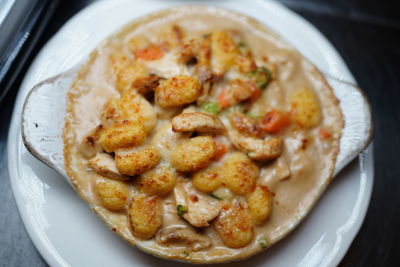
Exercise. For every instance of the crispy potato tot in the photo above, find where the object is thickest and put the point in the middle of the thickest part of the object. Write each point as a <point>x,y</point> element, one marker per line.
<point>131,106</point>
<point>305,108</point>
<point>137,162</point>
<point>113,195</point>
<point>234,224</point>
<point>145,216</point>
<point>158,181</point>
<point>125,134</point>
<point>260,204</point>
<point>223,50</point>
<point>194,154</point>
<point>177,91</point>
<point>207,180</point>
<point>126,70</point>
<point>135,107</point>
<point>239,173</point>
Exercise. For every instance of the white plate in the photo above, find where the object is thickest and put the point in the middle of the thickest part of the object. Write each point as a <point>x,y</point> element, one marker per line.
<point>67,233</point>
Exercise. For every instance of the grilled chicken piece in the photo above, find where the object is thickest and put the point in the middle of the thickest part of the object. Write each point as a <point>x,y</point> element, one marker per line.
<point>183,236</point>
<point>257,149</point>
<point>234,225</point>
<point>90,145</point>
<point>146,84</point>
<point>237,91</point>
<point>199,210</point>
<point>104,165</point>
<point>198,51</point>
<point>197,122</point>
<point>245,124</point>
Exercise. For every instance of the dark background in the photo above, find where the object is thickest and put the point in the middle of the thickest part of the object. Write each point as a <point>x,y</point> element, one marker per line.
<point>367,35</point>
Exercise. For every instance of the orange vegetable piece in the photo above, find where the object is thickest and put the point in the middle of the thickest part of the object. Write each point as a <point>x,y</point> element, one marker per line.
<point>274,121</point>
<point>152,52</point>
<point>324,134</point>
<point>221,150</point>
<point>223,100</point>
<point>256,94</point>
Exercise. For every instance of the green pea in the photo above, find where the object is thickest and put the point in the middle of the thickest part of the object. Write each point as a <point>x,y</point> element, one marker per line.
<point>263,242</point>
<point>211,107</point>
<point>180,210</point>
<point>260,76</point>
<point>254,116</point>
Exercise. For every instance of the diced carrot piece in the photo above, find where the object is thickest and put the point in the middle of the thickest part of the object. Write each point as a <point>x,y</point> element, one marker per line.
<point>223,100</point>
<point>221,150</point>
<point>256,94</point>
<point>324,134</point>
<point>152,52</point>
<point>274,121</point>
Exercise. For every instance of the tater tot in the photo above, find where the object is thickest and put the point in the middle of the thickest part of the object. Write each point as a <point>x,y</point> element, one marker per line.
<point>158,181</point>
<point>113,195</point>
<point>305,108</point>
<point>208,179</point>
<point>133,106</point>
<point>138,161</point>
<point>260,204</point>
<point>125,134</point>
<point>240,173</point>
<point>177,91</point>
<point>234,224</point>
<point>145,216</point>
<point>194,154</point>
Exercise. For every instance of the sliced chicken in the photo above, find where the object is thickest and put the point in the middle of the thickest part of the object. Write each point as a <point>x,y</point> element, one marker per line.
<point>198,51</point>
<point>89,145</point>
<point>146,84</point>
<point>275,172</point>
<point>257,149</point>
<point>235,92</point>
<point>199,210</point>
<point>104,165</point>
<point>197,122</point>
<point>245,124</point>
<point>165,139</point>
<point>183,236</point>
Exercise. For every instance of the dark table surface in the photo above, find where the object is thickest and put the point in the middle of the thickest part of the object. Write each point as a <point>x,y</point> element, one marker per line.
<point>367,35</point>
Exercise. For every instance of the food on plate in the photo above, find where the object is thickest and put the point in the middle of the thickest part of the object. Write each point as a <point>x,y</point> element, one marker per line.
<point>197,134</point>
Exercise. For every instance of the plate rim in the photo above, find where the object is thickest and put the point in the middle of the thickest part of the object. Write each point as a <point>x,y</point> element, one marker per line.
<point>14,140</point>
